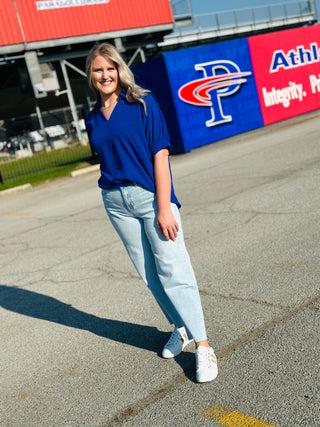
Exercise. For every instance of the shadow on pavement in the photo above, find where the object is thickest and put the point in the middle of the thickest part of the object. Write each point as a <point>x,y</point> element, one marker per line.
<point>44,307</point>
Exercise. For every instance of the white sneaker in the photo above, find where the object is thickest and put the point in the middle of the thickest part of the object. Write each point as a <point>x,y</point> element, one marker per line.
<point>206,361</point>
<point>177,342</point>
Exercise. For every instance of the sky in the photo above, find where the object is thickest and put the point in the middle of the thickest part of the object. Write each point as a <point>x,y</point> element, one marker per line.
<point>204,6</point>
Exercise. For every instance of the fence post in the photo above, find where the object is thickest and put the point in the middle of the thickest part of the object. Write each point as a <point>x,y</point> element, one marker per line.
<point>285,13</point>
<point>38,111</point>
<point>312,7</point>
<point>235,19</point>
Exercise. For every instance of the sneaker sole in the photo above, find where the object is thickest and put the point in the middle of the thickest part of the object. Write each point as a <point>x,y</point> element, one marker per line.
<point>166,354</point>
<point>206,379</point>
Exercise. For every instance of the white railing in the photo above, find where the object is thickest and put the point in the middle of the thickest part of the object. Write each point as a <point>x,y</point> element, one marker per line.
<point>181,8</point>
<point>244,19</point>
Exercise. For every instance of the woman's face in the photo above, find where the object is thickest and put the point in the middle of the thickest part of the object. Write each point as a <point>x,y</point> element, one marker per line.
<point>105,77</point>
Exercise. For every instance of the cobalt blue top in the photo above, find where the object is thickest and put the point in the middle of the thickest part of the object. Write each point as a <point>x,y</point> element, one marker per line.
<point>128,142</point>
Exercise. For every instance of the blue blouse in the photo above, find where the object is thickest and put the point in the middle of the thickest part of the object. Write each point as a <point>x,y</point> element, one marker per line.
<point>128,142</point>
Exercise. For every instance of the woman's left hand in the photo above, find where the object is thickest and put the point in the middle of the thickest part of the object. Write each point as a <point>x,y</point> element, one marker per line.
<point>167,224</point>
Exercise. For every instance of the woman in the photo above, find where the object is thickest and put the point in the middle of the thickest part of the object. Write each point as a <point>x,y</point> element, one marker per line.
<point>127,130</point>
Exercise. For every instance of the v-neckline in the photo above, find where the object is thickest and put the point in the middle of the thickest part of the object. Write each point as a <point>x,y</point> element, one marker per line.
<point>111,113</point>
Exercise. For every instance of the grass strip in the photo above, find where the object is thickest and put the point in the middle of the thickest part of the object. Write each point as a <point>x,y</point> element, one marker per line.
<point>44,166</point>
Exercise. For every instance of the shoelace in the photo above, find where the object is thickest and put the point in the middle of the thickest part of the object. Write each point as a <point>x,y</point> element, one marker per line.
<point>206,357</point>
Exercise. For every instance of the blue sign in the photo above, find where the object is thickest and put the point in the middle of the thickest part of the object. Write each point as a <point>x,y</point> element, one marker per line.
<point>206,93</point>
<point>214,91</point>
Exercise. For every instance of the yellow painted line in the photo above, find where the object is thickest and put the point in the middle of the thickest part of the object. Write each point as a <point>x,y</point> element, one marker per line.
<point>229,418</point>
<point>16,214</point>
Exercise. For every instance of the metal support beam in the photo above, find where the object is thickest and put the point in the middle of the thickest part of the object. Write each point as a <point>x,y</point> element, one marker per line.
<point>82,73</point>
<point>118,44</point>
<point>34,71</point>
<point>71,99</point>
<point>136,53</point>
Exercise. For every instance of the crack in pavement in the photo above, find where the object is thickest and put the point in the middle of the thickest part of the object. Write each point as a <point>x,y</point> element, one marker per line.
<point>44,221</point>
<point>266,181</point>
<point>180,378</point>
<point>234,298</point>
<point>290,171</point>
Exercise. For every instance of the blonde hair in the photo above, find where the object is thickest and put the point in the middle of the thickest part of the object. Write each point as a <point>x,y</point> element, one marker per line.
<point>126,77</point>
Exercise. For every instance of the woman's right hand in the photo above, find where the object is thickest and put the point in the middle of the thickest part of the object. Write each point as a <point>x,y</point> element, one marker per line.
<point>167,224</point>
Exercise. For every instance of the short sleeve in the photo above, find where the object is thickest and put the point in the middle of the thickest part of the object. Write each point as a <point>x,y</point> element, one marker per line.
<point>89,120</point>
<point>155,127</point>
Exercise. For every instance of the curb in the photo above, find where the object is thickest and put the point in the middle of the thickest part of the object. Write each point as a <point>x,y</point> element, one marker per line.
<point>84,170</point>
<point>15,189</point>
<point>29,186</point>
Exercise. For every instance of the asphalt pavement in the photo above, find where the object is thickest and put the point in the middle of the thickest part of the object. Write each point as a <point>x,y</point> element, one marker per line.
<point>81,336</point>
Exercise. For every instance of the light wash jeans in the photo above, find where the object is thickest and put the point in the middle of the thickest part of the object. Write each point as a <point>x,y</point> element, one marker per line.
<point>163,265</point>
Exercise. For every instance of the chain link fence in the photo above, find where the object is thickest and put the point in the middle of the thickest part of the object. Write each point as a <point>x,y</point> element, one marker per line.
<point>29,153</point>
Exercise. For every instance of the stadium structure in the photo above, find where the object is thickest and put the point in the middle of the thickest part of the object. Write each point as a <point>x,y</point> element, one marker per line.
<point>43,46</point>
